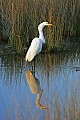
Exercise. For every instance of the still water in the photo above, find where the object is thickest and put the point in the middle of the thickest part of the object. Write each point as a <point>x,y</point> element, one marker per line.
<point>57,76</point>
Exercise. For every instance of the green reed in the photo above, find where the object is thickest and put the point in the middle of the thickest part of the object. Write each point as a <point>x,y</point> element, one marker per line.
<point>20,20</point>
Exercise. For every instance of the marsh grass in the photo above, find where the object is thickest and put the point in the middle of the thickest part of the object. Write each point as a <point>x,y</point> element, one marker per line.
<point>19,21</point>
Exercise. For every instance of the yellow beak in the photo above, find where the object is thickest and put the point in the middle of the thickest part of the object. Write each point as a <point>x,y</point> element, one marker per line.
<point>50,25</point>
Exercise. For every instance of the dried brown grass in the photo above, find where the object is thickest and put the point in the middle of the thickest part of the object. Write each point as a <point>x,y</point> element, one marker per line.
<point>20,20</point>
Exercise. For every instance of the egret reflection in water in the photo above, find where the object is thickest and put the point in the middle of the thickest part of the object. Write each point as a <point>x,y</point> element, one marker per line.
<point>35,88</point>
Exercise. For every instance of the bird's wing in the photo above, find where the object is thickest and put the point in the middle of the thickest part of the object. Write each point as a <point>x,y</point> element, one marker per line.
<point>34,49</point>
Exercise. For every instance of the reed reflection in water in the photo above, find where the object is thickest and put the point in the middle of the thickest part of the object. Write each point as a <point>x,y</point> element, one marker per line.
<point>58,79</point>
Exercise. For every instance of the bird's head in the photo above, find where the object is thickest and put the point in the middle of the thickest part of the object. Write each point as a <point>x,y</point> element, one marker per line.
<point>43,24</point>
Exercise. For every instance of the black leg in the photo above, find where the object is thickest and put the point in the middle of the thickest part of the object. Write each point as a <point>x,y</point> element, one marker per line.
<point>33,67</point>
<point>24,64</point>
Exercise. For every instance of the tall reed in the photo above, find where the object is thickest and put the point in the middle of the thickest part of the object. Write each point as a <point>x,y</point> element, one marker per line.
<point>19,20</point>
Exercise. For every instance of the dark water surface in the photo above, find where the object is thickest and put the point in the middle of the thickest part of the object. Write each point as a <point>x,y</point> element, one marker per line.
<point>59,77</point>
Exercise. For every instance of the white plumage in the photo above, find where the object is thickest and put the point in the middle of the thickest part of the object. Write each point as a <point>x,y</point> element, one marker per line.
<point>36,44</point>
<point>34,49</point>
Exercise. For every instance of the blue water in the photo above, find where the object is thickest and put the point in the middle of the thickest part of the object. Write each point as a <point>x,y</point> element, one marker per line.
<point>58,78</point>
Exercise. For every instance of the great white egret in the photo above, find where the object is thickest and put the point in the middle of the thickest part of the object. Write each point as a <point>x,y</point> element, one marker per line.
<point>36,44</point>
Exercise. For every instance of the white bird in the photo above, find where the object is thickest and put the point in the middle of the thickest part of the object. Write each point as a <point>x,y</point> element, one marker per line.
<point>36,44</point>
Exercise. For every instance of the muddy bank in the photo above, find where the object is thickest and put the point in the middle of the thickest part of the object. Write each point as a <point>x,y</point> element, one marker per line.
<point>5,49</point>
<point>4,38</point>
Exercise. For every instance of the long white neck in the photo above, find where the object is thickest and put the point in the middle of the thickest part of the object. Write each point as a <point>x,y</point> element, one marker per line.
<point>41,36</point>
